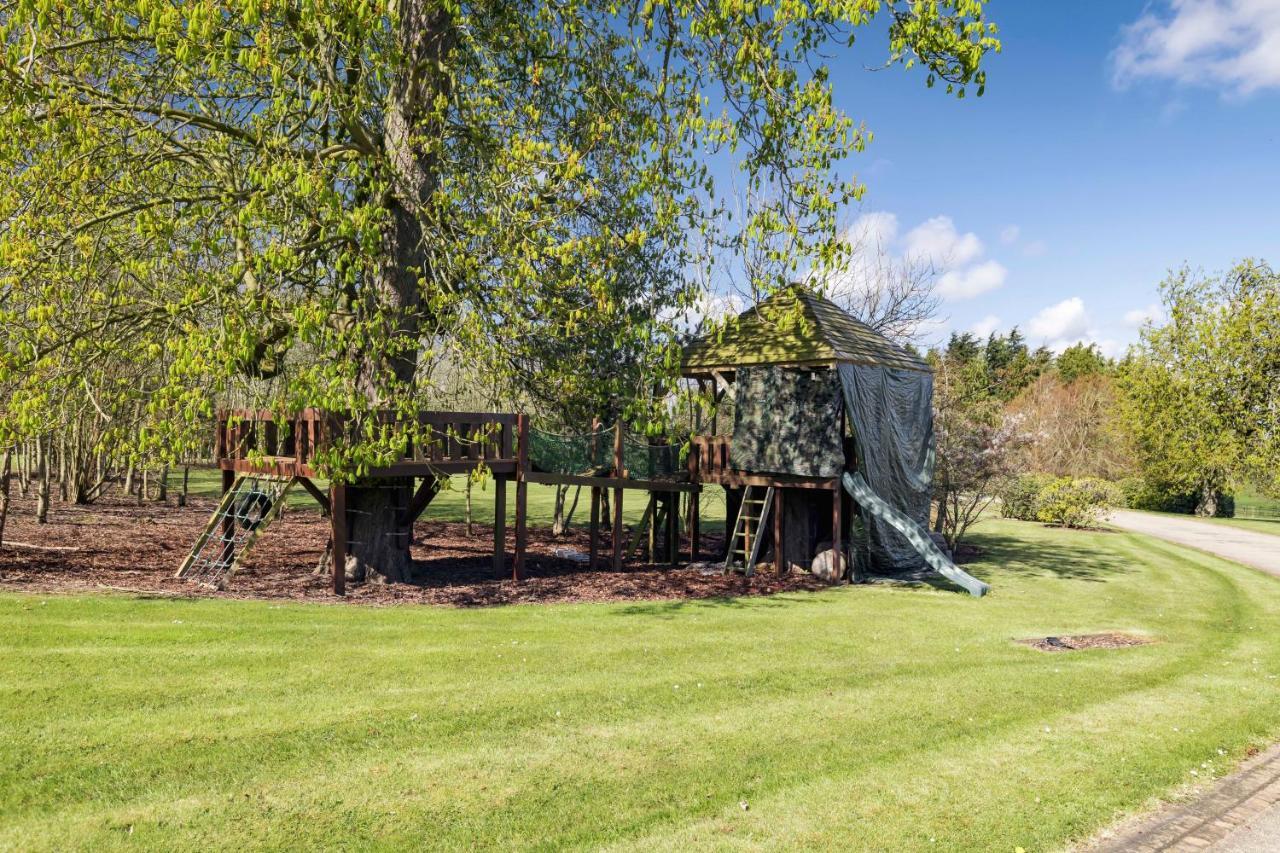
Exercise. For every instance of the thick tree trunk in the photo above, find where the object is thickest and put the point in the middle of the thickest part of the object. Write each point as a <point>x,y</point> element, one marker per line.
<point>186,476</point>
<point>378,530</point>
<point>425,37</point>
<point>162,486</point>
<point>1207,505</point>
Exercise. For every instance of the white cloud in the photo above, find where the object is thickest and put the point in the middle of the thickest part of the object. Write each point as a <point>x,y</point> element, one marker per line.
<point>936,241</point>
<point>1233,45</point>
<point>1061,325</point>
<point>873,232</point>
<point>972,281</point>
<point>1139,316</point>
<point>1010,234</point>
<point>985,326</point>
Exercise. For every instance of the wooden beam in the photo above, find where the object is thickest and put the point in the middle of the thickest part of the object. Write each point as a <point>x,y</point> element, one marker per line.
<point>338,529</point>
<point>315,492</point>
<point>426,492</point>
<point>837,527</point>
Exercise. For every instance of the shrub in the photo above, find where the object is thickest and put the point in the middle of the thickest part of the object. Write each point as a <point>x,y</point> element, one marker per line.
<point>1020,497</point>
<point>1076,502</point>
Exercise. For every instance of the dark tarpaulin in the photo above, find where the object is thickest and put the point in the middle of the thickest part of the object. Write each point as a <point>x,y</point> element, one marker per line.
<point>891,410</point>
<point>787,422</point>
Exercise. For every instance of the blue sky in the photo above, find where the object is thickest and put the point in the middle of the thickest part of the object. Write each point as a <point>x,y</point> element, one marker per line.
<point>1116,139</point>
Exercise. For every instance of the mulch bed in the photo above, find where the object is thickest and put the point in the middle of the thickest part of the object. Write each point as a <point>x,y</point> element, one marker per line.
<point>121,546</point>
<point>1085,641</point>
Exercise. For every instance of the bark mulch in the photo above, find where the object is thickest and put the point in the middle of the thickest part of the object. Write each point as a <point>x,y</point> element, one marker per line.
<point>117,545</point>
<point>1085,641</point>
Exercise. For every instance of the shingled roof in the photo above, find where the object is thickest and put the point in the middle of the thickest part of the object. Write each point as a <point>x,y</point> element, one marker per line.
<point>774,332</point>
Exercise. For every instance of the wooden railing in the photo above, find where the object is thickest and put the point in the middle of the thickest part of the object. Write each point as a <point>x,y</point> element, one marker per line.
<point>709,458</point>
<point>448,441</point>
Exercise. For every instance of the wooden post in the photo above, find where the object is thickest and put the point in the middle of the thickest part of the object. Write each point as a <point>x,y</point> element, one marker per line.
<point>338,530</point>
<point>696,499</point>
<point>522,488</point>
<point>595,527</point>
<point>228,523</point>
<point>673,528</point>
<point>499,524</point>
<point>779,558</point>
<point>837,524</point>
<point>618,471</point>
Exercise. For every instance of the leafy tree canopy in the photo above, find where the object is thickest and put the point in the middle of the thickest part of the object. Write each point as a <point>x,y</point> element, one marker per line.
<point>307,202</point>
<point>1202,392</point>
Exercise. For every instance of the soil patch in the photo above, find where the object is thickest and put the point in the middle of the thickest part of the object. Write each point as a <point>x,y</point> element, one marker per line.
<point>1085,641</point>
<point>116,545</point>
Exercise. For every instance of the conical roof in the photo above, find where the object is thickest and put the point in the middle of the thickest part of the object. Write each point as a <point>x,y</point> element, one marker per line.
<point>775,332</point>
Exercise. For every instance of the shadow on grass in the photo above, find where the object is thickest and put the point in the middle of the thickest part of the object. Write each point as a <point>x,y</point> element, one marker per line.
<point>1060,557</point>
<point>673,608</point>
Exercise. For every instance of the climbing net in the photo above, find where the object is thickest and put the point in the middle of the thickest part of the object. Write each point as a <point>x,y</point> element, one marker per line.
<point>245,510</point>
<point>585,454</point>
<point>591,454</point>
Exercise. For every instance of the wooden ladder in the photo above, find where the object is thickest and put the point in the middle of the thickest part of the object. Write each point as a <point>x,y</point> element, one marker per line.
<point>746,537</point>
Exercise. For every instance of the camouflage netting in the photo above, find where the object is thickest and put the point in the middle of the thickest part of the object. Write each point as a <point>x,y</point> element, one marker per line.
<point>891,411</point>
<point>787,421</point>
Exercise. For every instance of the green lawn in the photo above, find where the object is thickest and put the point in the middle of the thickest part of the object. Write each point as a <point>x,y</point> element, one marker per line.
<point>450,505</point>
<point>861,717</point>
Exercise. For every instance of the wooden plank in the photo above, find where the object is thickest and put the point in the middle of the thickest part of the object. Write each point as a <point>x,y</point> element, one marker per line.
<point>736,480</point>
<point>338,530</point>
<point>837,526</point>
<point>499,525</point>
<point>673,529</point>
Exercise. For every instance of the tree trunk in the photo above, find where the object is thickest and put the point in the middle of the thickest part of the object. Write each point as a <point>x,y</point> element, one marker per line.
<point>162,487</point>
<point>378,530</point>
<point>1207,506</point>
<point>4,489</point>
<point>425,36</point>
<point>468,506</point>
<point>557,519</point>
<point>182,495</point>
<point>42,472</point>
<point>128,479</point>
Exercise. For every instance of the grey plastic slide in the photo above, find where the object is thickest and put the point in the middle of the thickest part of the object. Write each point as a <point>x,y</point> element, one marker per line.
<point>857,486</point>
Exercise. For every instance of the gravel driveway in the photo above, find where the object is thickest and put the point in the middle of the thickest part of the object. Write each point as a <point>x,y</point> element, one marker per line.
<point>1259,550</point>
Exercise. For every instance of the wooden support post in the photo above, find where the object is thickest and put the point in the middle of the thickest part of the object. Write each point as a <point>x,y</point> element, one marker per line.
<point>779,557</point>
<point>673,528</point>
<point>651,549</point>
<point>696,498</point>
<point>595,528</point>
<point>228,523</point>
<point>499,525</point>
<point>522,489</point>
<point>338,530</point>
<point>837,525</point>
<point>618,471</point>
